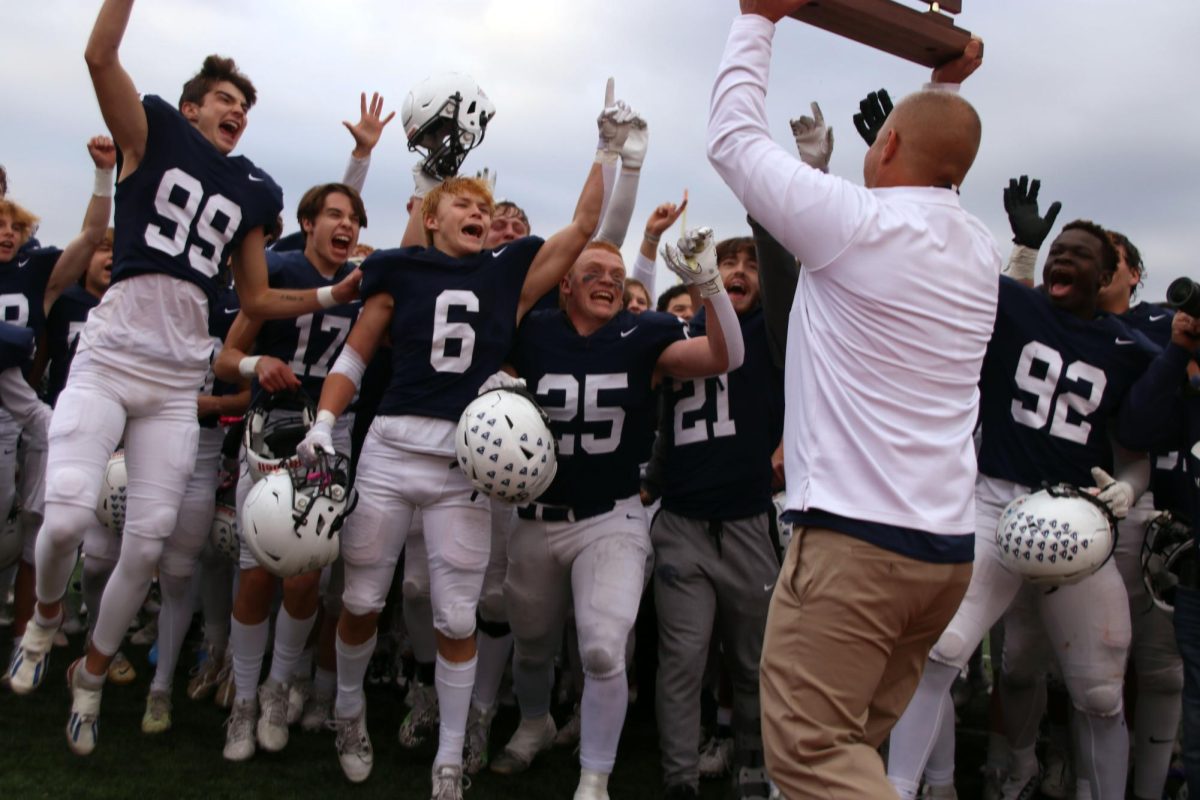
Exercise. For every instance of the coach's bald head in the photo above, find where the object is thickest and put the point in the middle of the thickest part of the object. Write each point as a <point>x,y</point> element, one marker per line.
<point>929,139</point>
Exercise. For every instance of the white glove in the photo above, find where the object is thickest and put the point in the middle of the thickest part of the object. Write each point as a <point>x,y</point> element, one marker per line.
<point>1117,495</point>
<point>489,177</point>
<point>633,152</point>
<point>614,123</point>
<point>319,438</point>
<point>814,141</point>
<point>501,380</point>
<point>695,261</point>
<point>423,182</point>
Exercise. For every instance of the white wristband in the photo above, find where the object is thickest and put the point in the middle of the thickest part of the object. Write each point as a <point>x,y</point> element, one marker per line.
<point>327,417</point>
<point>1021,263</point>
<point>325,297</point>
<point>104,182</point>
<point>247,366</point>
<point>350,364</point>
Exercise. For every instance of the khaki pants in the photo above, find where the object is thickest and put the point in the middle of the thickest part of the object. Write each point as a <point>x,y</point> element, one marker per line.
<point>848,632</point>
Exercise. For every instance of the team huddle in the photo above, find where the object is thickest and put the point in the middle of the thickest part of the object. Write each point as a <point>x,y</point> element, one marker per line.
<point>500,425</point>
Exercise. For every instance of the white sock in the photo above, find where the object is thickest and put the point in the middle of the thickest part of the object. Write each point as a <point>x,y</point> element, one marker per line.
<point>352,661</point>
<point>493,655</point>
<point>291,635</point>
<point>248,643</point>
<point>1103,747</point>
<point>602,715</point>
<point>174,618</point>
<point>914,735</point>
<point>939,768</point>
<point>454,681</point>
<point>96,572</point>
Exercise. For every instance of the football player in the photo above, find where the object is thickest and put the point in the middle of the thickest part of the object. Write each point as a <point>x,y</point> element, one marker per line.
<point>31,281</point>
<point>714,550</point>
<point>594,367</point>
<point>287,355</point>
<point>451,310</point>
<point>186,205</point>
<point>1055,373</point>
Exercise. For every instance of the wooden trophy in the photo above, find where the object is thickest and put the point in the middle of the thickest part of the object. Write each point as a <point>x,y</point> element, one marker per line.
<point>927,37</point>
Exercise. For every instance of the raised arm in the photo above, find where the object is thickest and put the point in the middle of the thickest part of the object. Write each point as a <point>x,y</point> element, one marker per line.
<point>778,274</point>
<point>660,221</point>
<point>1029,227</point>
<point>118,97</point>
<point>366,133</point>
<point>559,252</point>
<point>619,209</point>
<point>75,258</point>
<point>721,349</point>
<point>259,300</point>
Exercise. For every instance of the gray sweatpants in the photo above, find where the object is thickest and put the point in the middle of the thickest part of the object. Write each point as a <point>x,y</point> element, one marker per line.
<point>709,574</point>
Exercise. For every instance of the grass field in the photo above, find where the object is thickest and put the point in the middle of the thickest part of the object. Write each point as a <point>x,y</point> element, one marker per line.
<point>186,762</point>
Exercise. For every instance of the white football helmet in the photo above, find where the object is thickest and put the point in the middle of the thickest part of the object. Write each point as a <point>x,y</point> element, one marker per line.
<point>110,506</point>
<point>11,541</point>
<point>1169,548</point>
<point>505,447</point>
<point>275,425</point>
<point>445,117</point>
<point>290,520</point>
<point>1056,536</point>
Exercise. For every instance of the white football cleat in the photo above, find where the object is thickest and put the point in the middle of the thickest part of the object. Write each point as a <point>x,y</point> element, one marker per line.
<point>31,658</point>
<point>299,692</point>
<point>157,718</point>
<point>448,782</point>
<point>273,713</point>
<point>83,726</point>
<point>239,730</point>
<point>592,785</point>
<point>531,737</point>
<point>354,746</point>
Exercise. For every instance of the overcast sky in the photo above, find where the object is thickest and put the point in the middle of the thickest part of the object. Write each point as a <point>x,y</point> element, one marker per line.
<point>1098,98</point>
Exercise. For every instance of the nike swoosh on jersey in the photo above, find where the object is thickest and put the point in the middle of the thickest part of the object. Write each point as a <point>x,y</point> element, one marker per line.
<point>768,587</point>
<point>1160,316</point>
<point>496,253</point>
<point>1124,341</point>
<point>232,310</point>
<point>256,180</point>
<point>23,262</point>
<point>626,333</point>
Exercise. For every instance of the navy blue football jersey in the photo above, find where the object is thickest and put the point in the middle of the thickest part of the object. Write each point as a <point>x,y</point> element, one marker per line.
<point>186,206</point>
<point>63,326</point>
<point>722,431</point>
<point>453,323</point>
<point>23,287</point>
<point>598,393</point>
<point>1050,384</point>
<point>1168,475</point>
<point>16,346</point>
<point>310,343</point>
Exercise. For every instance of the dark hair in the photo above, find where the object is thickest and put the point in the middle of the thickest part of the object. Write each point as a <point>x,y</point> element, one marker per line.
<point>633,284</point>
<point>1109,257</point>
<point>734,247</point>
<point>313,202</point>
<point>670,294</point>
<point>1133,256</point>
<point>503,206</point>
<point>3,181</point>
<point>216,69</point>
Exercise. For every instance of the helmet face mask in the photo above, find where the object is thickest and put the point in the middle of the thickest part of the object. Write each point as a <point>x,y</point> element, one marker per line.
<point>291,519</point>
<point>445,117</point>
<point>275,425</point>
<point>1057,536</point>
<point>1167,552</point>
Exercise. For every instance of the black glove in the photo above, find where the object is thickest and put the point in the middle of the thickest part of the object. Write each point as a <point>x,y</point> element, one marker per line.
<point>1021,202</point>
<point>873,111</point>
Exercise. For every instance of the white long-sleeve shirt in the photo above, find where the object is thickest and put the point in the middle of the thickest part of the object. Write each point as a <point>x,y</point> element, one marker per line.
<point>889,324</point>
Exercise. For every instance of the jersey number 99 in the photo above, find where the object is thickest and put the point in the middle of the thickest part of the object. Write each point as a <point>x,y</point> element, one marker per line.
<point>178,200</point>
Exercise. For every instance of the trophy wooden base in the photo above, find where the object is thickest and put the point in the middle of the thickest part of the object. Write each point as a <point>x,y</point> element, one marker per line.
<point>925,37</point>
